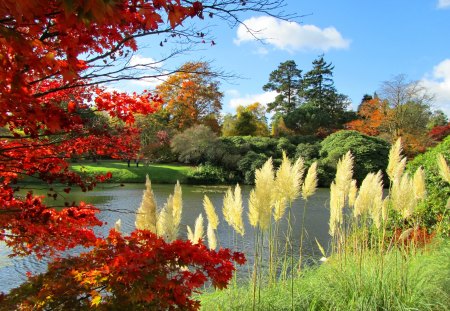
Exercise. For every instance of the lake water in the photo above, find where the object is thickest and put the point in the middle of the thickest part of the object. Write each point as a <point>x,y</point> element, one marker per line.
<point>122,202</point>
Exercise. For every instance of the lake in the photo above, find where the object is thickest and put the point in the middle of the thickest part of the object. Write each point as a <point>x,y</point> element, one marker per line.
<point>122,202</point>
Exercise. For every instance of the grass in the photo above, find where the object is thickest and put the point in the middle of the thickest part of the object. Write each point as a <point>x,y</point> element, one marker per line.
<point>420,281</point>
<point>121,173</point>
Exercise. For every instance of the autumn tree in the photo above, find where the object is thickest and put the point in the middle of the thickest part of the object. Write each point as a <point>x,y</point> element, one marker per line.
<point>371,116</point>
<point>191,95</point>
<point>407,112</point>
<point>409,106</point>
<point>54,57</point>
<point>248,121</point>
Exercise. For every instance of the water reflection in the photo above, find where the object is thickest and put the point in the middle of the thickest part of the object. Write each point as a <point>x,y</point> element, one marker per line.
<point>122,202</point>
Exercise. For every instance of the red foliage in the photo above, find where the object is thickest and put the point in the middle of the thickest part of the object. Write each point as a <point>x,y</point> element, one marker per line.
<point>50,111</point>
<point>438,133</point>
<point>370,119</point>
<point>417,237</point>
<point>140,271</point>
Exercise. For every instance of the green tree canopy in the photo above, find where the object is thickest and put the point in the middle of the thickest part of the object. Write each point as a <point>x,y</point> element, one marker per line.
<point>286,80</point>
<point>370,153</point>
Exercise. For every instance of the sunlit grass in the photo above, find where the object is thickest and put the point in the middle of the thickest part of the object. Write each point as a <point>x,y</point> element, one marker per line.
<point>420,282</point>
<point>159,173</point>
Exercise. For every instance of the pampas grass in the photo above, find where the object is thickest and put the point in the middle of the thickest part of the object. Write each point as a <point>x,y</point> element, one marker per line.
<point>309,187</point>
<point>197,234</point>
<point>146,214</point>
<point>261,197</point>
<point>444,169</point>
<point>210,211</point>
<point>211,235</point>
<point>233,209</point>
<point>396,164</point>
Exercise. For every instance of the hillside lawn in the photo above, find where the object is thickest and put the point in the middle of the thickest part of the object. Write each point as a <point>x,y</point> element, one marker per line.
<point>121,173</point>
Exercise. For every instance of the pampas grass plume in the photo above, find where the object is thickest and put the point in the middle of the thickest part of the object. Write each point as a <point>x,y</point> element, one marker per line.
<point>335,209</point>
<point>118,225</point>
<point>198,231</point>
<point>212,241</point>
<point>402,196</point>
<point>353,191</point>
<point>146,214</point>
<point>213,219</point>
<point>279,207</point>
<point>344,174</point>
<point>288,180</point>
<point>444,169</point>
<point>396,164</point>
<point>177,206</point>
<point>420,190</point>
<point>165,226</point>
<point>310,185</point>
<point>233,208</point>
<point>261,198</point>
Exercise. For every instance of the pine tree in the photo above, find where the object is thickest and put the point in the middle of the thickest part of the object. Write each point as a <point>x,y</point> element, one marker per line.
<point>286,80</point>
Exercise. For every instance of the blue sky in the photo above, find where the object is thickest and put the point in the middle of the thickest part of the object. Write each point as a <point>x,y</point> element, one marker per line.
<point>367,41</point>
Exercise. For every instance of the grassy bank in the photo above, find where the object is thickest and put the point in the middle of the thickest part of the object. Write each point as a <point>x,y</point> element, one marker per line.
<point>159,173</point>
<point>416,282</point>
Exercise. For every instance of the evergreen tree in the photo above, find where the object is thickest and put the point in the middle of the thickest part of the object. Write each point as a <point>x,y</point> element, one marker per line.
<point>323,108</point>
<point>286,80</point>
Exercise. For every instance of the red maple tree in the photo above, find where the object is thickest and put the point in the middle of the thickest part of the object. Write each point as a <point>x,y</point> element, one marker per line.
<point>53,57</point>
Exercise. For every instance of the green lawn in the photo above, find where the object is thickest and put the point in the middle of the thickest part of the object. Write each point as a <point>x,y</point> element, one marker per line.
<point>158,173</point>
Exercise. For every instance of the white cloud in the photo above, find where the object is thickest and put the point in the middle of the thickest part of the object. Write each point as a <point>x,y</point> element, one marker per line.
<point>290,36</point>
<point>149,83</point>
<point>438,83</point>
<point>442,4</point>
<point>146,62</point>
<point>248,99</point>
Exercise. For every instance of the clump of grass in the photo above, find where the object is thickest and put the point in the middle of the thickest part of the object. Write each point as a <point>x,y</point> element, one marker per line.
<point>349,285</point>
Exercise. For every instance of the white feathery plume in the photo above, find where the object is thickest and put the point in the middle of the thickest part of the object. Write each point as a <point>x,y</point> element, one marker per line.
<point>210,211</point>
<point>146,214</point>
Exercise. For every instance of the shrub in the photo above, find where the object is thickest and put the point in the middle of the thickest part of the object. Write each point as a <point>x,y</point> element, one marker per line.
<point>371,154</point>
<point>438,191</point>
<point>192,145</point>
<point>208,174</point>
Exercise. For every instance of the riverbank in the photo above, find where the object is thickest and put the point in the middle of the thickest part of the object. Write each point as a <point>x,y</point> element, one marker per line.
<point>121,173</point>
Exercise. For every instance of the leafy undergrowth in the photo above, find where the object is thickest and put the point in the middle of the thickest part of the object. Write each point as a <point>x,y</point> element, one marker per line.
<point>419,281</point>
<point>159,173</point>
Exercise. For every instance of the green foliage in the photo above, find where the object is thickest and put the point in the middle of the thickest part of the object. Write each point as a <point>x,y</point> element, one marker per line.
<point>249,121</point>
<point>209,175</point>
<point>371,154</point>
<point>286,81</point>
<point>309,152</point>
<point>192,144</point>
<point>249,163</point>
<point>309,104</point>
<point>438,191</point>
